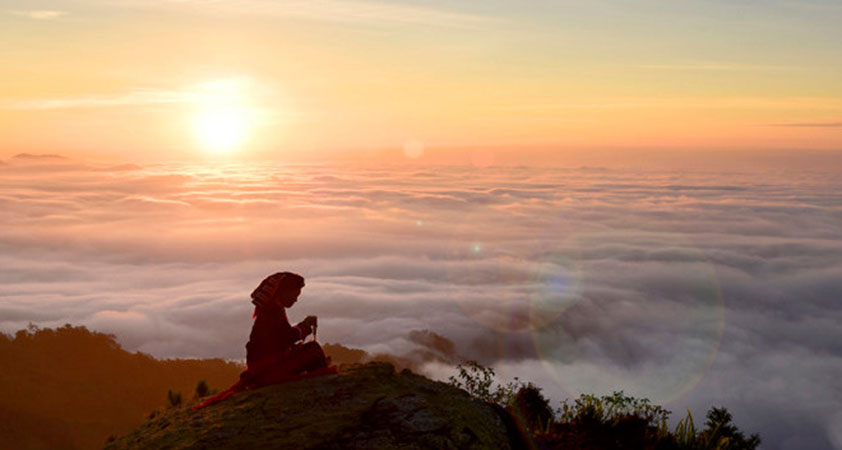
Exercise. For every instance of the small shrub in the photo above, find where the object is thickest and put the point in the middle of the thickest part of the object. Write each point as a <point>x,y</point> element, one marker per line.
<point>609,409</point>
<point>531,407</point>
<point>478,380</point>
<point>202,389</point>
<point>174,398</point>
<point>720,430</point>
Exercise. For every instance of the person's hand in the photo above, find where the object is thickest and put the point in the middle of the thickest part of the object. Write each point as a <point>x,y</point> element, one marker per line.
<point>309,322</point>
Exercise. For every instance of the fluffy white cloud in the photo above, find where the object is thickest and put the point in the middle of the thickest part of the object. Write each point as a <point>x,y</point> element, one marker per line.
<point>694,289</point>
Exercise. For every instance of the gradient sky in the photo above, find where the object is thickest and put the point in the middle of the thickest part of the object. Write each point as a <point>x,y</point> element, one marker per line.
<point>142,80</point>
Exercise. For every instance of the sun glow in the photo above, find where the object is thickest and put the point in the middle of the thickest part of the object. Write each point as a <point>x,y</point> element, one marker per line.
<point>220,130</point>
<point>222,120</point>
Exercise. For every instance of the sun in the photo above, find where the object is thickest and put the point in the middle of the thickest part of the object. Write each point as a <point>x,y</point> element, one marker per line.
<point>221,121</point>
<point>220,130</point>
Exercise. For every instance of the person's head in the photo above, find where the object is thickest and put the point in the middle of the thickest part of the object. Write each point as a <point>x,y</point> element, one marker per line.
<point>282,288</point>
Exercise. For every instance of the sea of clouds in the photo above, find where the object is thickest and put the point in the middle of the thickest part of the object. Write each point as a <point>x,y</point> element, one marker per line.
<point>694,289</point>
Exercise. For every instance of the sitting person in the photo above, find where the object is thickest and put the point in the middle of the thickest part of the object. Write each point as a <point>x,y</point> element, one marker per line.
<point>273,352</point>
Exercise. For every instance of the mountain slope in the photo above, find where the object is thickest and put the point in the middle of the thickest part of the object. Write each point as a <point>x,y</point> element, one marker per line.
<point>363,407</point>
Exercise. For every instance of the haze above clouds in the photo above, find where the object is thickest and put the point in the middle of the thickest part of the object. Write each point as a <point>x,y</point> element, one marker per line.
<point>691,288</point>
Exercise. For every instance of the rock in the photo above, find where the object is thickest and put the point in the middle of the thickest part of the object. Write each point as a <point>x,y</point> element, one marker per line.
<point>363,407</point>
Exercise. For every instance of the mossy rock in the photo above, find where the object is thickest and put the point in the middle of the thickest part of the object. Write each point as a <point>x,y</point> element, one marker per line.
<point>363,407</point>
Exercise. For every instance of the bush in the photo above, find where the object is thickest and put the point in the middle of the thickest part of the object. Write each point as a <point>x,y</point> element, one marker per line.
<point>202,389</point>
<point>719,429</point>
<point>174,398</point>
<point>610,409</point>
<point>531,408</point>
<point>478,380</point>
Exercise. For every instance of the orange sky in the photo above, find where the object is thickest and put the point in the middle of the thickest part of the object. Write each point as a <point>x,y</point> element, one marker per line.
<point>257,79</point>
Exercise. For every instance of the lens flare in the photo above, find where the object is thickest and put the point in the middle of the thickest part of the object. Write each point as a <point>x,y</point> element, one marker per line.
<point>515,286</point>
<point>661,363</point>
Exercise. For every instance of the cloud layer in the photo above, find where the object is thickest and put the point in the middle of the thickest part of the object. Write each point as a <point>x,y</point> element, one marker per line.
<point>693,289</point>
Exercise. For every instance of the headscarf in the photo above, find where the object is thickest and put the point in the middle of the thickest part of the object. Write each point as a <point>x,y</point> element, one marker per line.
<point>269,289</point>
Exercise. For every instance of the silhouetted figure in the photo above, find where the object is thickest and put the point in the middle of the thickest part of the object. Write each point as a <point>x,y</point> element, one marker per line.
<point>274,352</point>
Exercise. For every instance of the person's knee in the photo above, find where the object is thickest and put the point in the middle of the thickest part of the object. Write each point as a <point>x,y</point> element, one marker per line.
<point>311,346</point>
<point>310,356</point>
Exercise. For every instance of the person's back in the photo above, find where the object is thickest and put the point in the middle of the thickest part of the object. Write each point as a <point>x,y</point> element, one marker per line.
<point>271,335</point>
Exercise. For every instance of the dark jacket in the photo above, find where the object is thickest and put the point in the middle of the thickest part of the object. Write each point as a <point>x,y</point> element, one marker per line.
<point>271,335</point>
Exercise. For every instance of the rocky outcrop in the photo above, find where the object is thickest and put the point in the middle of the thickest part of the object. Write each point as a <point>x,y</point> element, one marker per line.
<point>363,407</point>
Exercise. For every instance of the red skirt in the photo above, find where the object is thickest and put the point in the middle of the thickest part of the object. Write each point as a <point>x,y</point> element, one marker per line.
<point>300,358</point>
<point>302,361</point>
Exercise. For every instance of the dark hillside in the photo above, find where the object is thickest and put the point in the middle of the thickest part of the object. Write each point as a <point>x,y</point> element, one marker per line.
<point>363,407</point>
<point>72,388</point>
